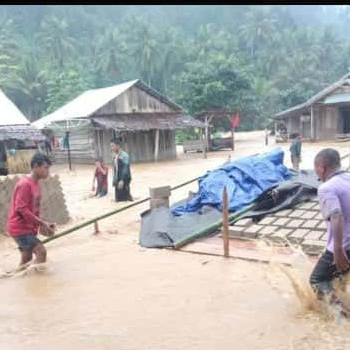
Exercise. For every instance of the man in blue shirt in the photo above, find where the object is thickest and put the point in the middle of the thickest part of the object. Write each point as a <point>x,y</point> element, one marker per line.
<point>121,173</point>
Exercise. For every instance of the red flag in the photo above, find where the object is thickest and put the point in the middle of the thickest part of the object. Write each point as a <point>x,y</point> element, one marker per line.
<point>235,121</point>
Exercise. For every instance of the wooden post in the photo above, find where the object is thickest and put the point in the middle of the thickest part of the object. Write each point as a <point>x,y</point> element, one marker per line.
<point>156,146</point>
<point>204,143</point>
<point>225,234</point>
<point>233,138</point>
<point>68,146</point>
<point>207,132</point>
<point>96,228</point>
<point>312,123</point>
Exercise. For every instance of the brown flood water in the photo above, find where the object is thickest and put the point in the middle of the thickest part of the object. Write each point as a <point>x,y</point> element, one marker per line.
<point>106,292</point>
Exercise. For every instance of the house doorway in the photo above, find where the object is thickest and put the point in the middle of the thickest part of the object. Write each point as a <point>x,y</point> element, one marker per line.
<point>306,126</point>
<point>344,113</point>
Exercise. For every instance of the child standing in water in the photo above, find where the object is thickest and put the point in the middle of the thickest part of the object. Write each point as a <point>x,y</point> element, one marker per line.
<point>101,177</point>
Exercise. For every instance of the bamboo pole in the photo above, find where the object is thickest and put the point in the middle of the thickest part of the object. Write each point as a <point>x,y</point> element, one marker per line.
<point>211,228</point>
<point>113,212</point>
<point>68,145</point>
<point>225,236</point>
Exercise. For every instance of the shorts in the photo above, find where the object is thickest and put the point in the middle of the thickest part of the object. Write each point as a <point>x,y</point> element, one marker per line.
<point>26,242</point>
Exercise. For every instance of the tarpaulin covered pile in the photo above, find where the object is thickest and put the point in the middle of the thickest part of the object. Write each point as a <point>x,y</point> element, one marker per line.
<point>245,179</point>
<point>261,179</point>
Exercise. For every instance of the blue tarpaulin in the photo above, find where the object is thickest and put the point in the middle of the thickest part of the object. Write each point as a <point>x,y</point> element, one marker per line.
<point>245,179</point>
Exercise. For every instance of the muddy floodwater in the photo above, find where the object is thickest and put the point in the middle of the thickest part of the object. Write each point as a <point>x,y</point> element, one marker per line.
<point>106,292</point>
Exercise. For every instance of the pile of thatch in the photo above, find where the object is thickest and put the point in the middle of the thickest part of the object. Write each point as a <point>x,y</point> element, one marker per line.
<point>53,206</point>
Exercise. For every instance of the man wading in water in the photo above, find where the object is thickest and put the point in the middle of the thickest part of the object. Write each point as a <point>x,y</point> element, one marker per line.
<point>121,173</point>
<point>295,151</point>
<point>23,223</point>
<point>334,198</point>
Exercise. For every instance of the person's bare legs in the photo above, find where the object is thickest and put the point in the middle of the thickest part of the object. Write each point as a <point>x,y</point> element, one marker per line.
<point>40,254</point>
<point>26,257</point>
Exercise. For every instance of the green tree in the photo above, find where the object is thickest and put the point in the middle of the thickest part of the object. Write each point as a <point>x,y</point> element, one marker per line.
<point>28,88</point>
<point>55,39</point>
<point>63,87</point>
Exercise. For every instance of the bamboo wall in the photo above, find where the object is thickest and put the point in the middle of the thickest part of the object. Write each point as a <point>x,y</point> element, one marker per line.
<point>53,206</point>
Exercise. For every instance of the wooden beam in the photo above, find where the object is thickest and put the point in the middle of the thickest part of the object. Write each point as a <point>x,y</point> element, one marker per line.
<point>96,229</point>
<point>204,143</point>
<point>312,123</point>
<point>225,230</point>
<point>206,122</point>
<point>233,139</point>
<point>68,147</point>
<point>156,146</point>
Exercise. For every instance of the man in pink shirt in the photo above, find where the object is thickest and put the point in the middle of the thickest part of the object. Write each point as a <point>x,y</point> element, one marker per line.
<point>23,222</point>
<point>334,198</point>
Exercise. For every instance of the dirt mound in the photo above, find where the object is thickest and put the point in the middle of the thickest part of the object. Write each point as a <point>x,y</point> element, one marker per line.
<point>53,205</point>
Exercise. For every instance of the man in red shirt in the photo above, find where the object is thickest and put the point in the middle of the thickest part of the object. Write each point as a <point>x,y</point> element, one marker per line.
<point>23,222</point>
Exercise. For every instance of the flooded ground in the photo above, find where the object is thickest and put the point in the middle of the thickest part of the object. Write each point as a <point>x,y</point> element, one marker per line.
<point>106,292</point>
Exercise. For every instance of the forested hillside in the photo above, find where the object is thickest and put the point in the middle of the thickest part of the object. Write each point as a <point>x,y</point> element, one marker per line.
<point>255,59</point>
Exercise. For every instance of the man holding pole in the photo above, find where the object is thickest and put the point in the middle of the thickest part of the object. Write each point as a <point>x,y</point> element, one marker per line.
<point>24,223</point>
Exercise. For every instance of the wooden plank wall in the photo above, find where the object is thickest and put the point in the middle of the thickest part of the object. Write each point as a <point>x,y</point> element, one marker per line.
<point>82,145</point>
<point>134,100</point>
<point>326,120</point>
<point>293,125</point>
<point>140,145</point>
<point>86,144</point>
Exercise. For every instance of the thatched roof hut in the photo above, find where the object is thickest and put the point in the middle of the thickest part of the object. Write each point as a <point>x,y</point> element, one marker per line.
<point>13,124</point>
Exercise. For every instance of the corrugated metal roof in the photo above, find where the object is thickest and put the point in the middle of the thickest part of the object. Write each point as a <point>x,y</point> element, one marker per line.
<point>90,101</point>
<point>339,98</point>
<point>147,121</point>
<point>320,95</point>
<point>9,113</point>
<point>85,104</point>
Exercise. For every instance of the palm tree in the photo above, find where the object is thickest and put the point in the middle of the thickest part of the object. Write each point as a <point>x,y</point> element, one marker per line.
<point>111,54</point>
<point>55,38</point>
<point>8,51</point>
<point>257,28</point>
<point>144,48</point>
<point>170,55</point>
<point>28,87</point>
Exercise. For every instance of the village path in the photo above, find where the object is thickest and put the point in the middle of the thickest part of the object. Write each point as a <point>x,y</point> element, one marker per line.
<point>106,292</point>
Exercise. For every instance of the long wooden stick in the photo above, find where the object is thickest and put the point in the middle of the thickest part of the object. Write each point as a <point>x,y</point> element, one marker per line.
<point>225,224</point>
<point>113,212</point>
<point>211,228</point>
